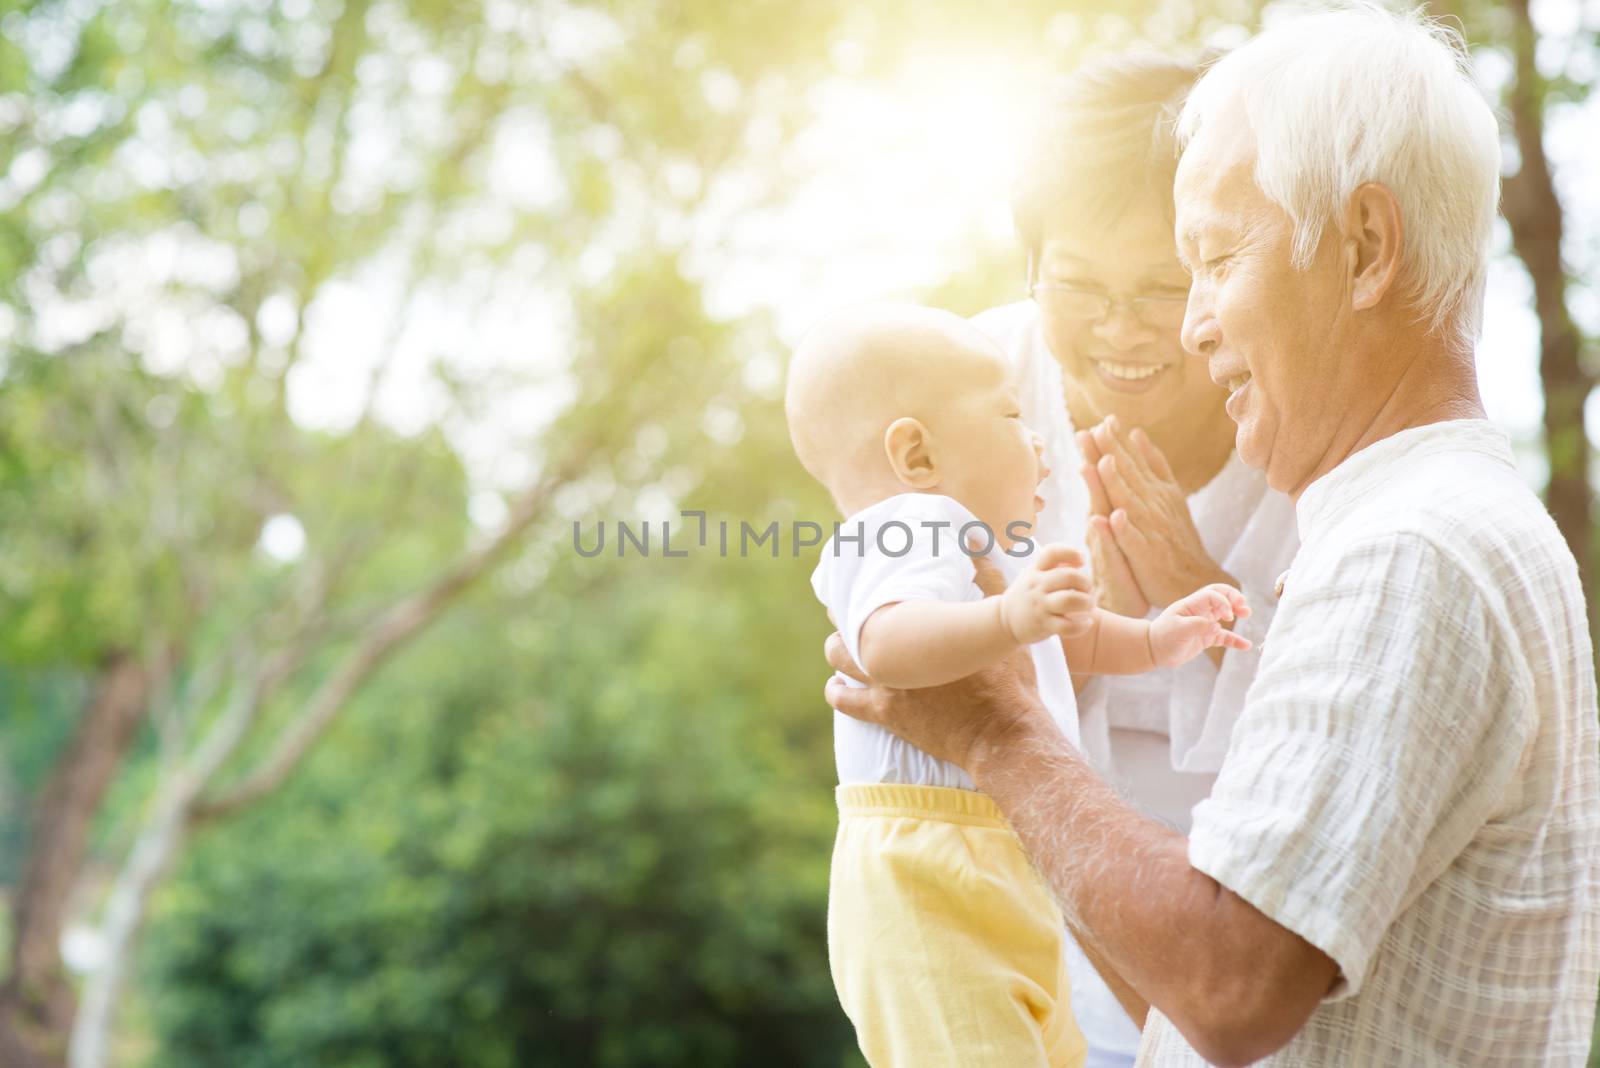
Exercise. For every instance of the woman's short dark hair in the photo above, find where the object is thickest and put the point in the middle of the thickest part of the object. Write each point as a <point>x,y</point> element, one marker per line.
<point>1103,139</point>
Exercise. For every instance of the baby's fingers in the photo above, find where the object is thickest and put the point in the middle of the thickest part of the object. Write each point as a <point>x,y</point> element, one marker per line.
<point>1057,554</point>
<point>1068,602</point>
<point>1065,578</point>
<point>1227,639</point>
<point>1207,603</point>
<point>1236,601</point>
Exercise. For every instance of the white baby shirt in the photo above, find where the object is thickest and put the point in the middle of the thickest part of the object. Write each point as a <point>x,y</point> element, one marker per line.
<point>909,550</point>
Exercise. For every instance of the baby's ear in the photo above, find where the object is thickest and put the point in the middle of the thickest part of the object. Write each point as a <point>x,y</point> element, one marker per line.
<point>909,447</point>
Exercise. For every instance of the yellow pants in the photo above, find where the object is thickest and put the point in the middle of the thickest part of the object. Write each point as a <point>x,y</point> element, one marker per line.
<point>945,946</point>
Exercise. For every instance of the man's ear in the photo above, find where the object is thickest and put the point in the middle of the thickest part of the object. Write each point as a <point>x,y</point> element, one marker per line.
<point>909,446</point>
<point>1376,235</point>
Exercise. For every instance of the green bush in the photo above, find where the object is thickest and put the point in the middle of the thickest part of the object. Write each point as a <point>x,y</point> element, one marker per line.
<point>541,841</point>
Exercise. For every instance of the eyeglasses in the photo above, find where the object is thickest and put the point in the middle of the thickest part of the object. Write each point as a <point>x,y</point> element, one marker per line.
<point>1077,302</point>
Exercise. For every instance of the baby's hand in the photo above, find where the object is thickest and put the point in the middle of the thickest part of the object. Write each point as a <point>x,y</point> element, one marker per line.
<point>1193,624</point>
<point>1053,596</point>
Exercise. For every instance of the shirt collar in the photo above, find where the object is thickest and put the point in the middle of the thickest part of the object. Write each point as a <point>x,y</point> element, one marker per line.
<point>1362,470</point>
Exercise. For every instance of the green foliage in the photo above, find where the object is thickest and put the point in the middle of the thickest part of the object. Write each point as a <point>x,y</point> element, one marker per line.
<point>36,709</point>
<point>544,841</point>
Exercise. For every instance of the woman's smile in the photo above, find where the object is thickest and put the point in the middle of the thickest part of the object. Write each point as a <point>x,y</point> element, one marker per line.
<point>1129,376</point>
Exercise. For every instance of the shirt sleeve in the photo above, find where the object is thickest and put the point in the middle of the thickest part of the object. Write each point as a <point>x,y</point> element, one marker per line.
<point>933,567</point>
<point>1380,735</point>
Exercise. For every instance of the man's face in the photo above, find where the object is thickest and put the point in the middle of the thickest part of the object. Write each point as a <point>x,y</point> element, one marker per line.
<point>1272,335</point>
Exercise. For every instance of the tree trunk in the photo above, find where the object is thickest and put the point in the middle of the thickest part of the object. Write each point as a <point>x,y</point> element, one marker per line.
<point>1534,212</point>
<point>153,853</point>
<point>36,1002</point>
<point>180,808</point>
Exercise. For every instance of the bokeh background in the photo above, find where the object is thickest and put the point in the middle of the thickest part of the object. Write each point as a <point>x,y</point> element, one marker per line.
<point>321,325</point>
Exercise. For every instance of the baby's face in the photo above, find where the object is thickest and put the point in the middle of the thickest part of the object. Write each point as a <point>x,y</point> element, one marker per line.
<point>990,460</point>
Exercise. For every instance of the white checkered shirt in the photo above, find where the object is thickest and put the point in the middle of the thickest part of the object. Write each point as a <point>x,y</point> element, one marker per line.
<point>1413,785</point>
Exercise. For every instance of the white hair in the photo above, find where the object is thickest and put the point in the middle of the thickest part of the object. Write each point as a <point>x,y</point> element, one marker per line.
<point>1341,96</point>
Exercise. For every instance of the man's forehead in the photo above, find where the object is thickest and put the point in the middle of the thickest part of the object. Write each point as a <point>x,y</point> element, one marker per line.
<point>1215,185</point>
<point>1207,211</point>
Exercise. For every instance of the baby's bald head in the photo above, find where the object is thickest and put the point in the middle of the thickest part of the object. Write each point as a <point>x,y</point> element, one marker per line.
<point>859,371</point>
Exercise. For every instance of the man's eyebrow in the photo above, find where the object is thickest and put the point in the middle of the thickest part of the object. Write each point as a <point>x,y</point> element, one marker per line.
<point>1224,227</point>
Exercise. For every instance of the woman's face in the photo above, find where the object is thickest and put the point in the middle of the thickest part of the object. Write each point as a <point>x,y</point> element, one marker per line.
<point>1127,362</point>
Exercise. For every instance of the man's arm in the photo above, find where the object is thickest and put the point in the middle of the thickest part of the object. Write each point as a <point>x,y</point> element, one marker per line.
<point>1362,766</point>
<point>1135,1006</point>
<point>1236,984</point>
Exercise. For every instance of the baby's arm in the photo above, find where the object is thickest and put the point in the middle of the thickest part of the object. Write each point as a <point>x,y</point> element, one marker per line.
<point>1118,645</point>
<point>912,644</point>
<point>1113,645</point>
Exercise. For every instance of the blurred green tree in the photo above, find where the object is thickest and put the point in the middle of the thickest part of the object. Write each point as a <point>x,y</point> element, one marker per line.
<point>583,838</point>
<point>1547,73</point>
<point>191,190</point>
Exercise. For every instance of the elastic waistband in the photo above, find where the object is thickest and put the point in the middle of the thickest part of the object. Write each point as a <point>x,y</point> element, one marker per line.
<point>919,802</point>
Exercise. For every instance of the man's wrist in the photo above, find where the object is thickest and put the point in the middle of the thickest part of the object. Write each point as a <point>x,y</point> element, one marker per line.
<point>997,749</point>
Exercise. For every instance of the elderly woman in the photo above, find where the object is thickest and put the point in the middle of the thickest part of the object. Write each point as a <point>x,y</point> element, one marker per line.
<point>1143,469</point>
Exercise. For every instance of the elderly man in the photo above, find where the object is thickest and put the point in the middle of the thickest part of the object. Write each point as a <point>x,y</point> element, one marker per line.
<point>1398,864</point>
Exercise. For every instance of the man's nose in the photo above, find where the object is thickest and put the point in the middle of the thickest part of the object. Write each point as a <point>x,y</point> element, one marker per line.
<point>1200,335</point>
<point>1121,329</point>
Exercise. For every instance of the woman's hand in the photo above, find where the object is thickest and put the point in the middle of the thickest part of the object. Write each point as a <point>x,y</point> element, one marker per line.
<point>1140,515</point>
<point>1119,591</point>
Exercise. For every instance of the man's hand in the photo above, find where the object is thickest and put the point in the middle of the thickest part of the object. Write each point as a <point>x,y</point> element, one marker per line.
<point>962,721</point>
<point>1051,596</point>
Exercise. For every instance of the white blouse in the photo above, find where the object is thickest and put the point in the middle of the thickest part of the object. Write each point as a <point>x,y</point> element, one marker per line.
<point>1158,738</point>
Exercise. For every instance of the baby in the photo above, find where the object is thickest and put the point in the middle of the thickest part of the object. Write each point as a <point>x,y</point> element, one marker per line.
<point>945,946</point>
